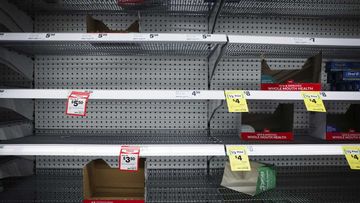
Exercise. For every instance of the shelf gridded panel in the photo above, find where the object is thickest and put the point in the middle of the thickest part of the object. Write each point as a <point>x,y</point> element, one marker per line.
<point>328,8</point>
<point>171,7</point>
<point>79,72</point>
<point>157,23</point>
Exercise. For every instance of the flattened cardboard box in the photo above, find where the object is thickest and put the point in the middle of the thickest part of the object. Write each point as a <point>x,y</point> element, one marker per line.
<point>276,126</point>
<point>103,184</point>
<point>336,126</point>
<point>305,79</point>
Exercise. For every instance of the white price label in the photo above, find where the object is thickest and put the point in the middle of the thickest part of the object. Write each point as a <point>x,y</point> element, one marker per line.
<point>129,158</point>
<point>141,36</point>
<point>37,36</point>
<point>197,37</point>
<point>88,36</point>
<point>2,35</point>
<point>304,40</point>
<point>77,103</point>
<point>187,94</point>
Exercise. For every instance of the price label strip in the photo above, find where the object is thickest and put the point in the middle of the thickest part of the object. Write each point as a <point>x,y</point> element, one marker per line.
<point>352,155</point>
<point>77,103</point>
<point>238,157</point>
<point>236,101</point>
<point>129,158</point>
<point>313,101</point>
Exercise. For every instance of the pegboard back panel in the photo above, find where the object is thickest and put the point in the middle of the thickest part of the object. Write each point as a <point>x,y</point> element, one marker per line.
<point>112,72</point>
<point>115,72</point>
<point>288,26</point>
<point>287,161</point>
<point>123,115</point>
<point>159,23</point>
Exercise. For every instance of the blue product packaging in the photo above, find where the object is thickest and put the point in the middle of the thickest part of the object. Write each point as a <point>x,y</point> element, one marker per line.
<point>332,66</point>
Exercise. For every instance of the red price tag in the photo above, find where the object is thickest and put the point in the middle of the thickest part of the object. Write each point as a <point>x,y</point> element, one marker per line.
<point>129,158</point>
<point>77,103</point>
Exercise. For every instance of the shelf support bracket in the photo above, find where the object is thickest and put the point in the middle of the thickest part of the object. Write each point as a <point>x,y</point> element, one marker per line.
<point>214,13</point>
<point>15,130</point>
<point>14,19</point>
<point>19,63</point>
<point>23,107</point>
<point>213,61</point>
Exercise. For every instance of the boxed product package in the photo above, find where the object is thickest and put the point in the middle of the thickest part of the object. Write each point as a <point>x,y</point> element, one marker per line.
<point>101,183</point>
<point>336,126</point>
<point>343,76</point>
<point>261,178</point>
<point>97,26</point>
<point>333,66</point>
<point>305,79</point>
<point>266,126</point>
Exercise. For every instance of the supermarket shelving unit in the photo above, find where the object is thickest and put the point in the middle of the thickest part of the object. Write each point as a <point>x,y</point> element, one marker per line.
<point>141,88</point>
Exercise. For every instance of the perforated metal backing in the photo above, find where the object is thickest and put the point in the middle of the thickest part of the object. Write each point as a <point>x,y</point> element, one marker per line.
<point>148,22</point>
<point>75,72</point>
<point>327,8</point>
<point>287,161</point>
<point>172,7</point>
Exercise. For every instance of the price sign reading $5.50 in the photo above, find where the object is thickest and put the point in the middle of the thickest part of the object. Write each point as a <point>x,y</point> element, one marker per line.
<point>77,103</point>
<point>236,101</point>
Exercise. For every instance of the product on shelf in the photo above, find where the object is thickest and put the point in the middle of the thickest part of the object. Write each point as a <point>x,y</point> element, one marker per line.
<point>105,184</point>
<point>336,126</point>
<point>343,76</point>
<point>261,178</point>
<point>305,79</point>
<point>269,126</point>
<point>95,26</point>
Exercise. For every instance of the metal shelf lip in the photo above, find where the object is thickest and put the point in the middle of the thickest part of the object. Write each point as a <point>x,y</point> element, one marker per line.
<point>20,38</point>
<point>295,41</point>
<point>295,149</point>
<point>292,47</point>
<point>110,150</point>
<point>116,94</point>
<point>171,94</point>
<point>112,43</point>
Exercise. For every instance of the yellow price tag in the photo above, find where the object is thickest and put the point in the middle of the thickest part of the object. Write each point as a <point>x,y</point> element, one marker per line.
<point>352,154</point>
<point>238,157</point>
<point>313,101</point>
<point>236,101</point>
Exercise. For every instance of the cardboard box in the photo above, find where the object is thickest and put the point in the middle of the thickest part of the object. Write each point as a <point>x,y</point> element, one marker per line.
<point>329,126</point>
<point>276,126</point>
<point>103,184</point>
<point>97,26</point>
<point>305,79</point>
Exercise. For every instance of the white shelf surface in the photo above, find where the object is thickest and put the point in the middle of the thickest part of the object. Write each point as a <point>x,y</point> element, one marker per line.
<point>273,46</point>
<point>171,94</point>
<point>112,43</point>
<point>20,38</point>
<point>110,150</point>
<point>169,150</point>
<point>295,41</point>
<point>295,149</point>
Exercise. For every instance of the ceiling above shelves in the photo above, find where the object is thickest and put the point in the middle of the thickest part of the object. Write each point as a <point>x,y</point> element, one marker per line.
<point>187,7</point>
<point>111,43</point>
<point>328,8</point>
<point>298,47</point>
